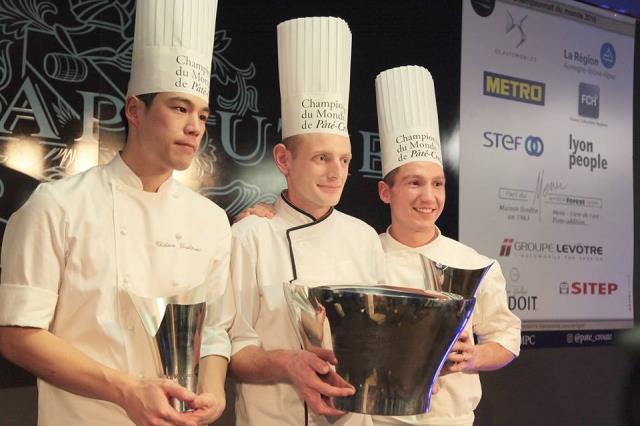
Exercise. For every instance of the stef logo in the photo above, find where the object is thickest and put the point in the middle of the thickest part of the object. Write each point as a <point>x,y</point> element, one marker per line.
<point>534,146</point>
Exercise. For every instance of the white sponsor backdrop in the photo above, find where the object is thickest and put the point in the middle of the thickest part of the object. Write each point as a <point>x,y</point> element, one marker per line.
<point>562,232</point>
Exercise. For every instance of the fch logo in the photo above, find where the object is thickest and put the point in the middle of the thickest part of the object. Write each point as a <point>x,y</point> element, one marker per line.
<point>505,249</point>
<point>589,100</point>
<point>608,55</point>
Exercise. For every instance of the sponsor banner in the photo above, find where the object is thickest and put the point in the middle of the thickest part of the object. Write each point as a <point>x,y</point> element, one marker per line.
<point>546,182</point>
<point>557,339</point>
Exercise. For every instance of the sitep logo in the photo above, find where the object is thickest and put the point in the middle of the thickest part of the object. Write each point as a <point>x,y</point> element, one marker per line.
<point>608,55</point>
<point>533,145</point>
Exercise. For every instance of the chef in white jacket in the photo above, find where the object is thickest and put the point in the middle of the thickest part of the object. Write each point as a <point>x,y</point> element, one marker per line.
<point>278,383</point>
<point>414,187</point>
<point>78,245</point>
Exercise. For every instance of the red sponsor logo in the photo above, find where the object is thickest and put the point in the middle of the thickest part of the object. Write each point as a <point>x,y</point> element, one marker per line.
<point>594,288</point>
<point>505,249</point>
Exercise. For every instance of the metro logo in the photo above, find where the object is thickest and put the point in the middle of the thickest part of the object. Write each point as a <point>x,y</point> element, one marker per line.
<point>592,288</point>
<point>513,88</point>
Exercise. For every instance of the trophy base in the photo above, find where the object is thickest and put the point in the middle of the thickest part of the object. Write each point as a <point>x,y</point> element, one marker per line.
<point>376,403</point>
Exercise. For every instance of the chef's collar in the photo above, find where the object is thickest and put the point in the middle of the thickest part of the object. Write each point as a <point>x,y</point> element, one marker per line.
<point>122,173</point>
<point>295,214</point>
<point>391,244</point>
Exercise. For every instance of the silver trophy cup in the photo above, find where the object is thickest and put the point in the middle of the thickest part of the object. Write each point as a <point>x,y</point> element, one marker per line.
<point>390,342</point>
<point>174,327</point>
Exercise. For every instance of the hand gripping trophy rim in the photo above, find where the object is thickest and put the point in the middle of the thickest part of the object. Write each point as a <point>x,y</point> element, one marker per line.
<point>173,325</point>
<point>391,342</point>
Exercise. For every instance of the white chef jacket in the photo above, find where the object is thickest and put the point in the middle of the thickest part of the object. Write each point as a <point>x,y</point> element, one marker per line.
<point>77,244</point>
<point>336,248</point>
<point>491,321</point>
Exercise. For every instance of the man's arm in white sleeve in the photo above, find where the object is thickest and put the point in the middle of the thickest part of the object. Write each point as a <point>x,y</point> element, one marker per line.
<point>33,254</point>
<point>250,363</point>
<point>497,328</point>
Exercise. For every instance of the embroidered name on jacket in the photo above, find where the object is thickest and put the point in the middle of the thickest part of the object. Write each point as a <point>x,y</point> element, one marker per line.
<point>178,244</point>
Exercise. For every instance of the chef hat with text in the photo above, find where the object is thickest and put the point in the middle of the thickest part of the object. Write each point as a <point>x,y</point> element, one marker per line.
<point>173,47</point>
<point>314,64</point>
<point>407,117</point>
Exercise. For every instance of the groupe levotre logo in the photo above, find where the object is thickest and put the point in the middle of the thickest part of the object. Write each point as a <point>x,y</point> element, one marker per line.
<point>546,247</point>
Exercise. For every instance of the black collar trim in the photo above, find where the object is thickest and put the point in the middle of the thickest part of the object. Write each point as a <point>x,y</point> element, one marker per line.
<point>283,195</point>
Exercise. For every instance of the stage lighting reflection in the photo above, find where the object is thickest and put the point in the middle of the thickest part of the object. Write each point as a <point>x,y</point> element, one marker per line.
<point>26,156</point>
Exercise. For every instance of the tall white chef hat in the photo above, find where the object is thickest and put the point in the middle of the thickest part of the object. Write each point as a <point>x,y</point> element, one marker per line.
<point>173,47</point>
<point>407,117</point>
<point>314,64</point>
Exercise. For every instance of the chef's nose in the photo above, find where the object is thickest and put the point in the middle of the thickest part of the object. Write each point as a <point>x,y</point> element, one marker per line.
<point>195,124</point>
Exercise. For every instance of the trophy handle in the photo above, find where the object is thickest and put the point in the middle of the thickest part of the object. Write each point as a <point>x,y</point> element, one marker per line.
<point>449,279</point>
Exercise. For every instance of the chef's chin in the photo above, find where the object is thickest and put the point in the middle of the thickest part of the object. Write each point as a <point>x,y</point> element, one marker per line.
<point>181,166</point>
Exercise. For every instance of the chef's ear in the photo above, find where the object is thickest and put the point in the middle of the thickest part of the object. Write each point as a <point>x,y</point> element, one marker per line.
<point>384,192</point>
<point>282,157</point>
<point>132,108</point>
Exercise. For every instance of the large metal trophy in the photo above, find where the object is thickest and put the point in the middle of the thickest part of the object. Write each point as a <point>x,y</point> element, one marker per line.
<point>390,342</point>
<point>174,327</point>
